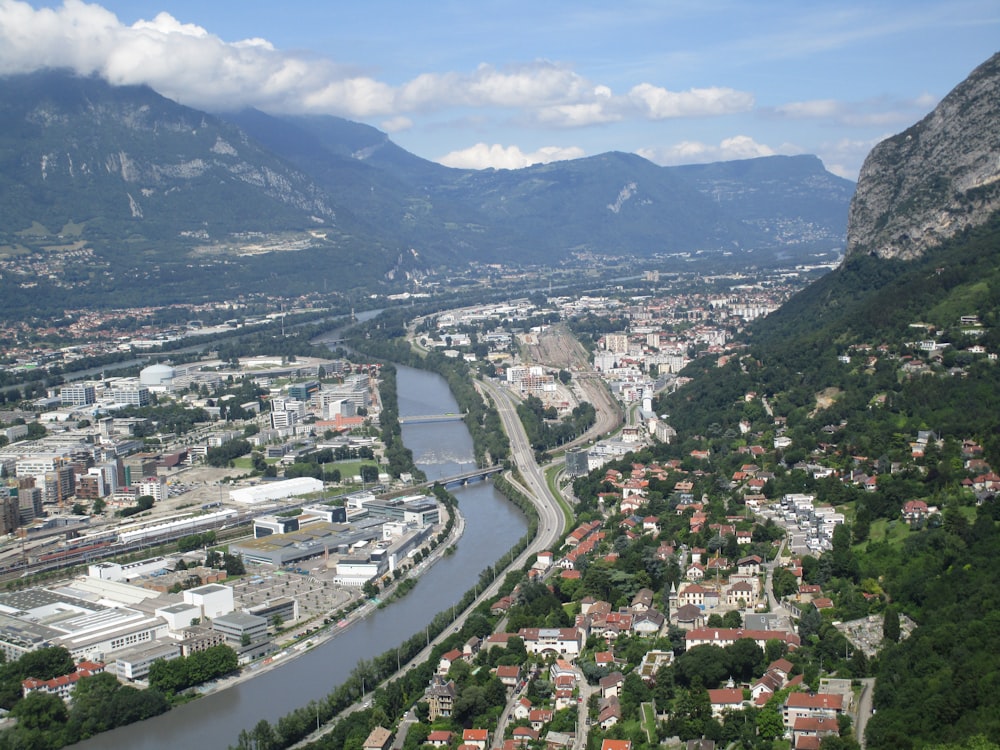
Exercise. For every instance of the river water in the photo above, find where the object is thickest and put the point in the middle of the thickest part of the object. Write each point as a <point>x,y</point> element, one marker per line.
<point>493,525</point>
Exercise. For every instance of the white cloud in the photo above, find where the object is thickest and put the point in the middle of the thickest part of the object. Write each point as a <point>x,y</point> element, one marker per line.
<point>696,152</point>
<point>485,156</point>
<point>816,108</point>
<point>576,115</point>
<point>844,157</point>
<point>880,112</point>
<point>396,124</point>
<point>659,103</point>
<point>192,65</point>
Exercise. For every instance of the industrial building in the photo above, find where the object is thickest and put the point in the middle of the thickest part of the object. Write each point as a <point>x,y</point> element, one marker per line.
<point>310,541</point>
<point>272,491</point>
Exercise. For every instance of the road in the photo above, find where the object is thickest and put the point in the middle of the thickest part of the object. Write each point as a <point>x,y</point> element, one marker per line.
<point>864,709</point>
<point>551,521</point>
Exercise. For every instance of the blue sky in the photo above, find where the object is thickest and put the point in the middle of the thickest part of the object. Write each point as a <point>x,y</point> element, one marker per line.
<point>503,84</point>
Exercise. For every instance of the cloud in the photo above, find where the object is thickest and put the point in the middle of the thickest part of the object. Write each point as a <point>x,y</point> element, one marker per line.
<point>845,156</point>
<point>806,110</point>
<point>396,124</point>
<point>696,152</point>
<point>193,66</point>
<point>658,103</point>
<point>484,156</point>
<point>879,112</point>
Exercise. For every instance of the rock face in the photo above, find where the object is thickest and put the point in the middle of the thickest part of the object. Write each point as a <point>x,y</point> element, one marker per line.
<point>935,179</point>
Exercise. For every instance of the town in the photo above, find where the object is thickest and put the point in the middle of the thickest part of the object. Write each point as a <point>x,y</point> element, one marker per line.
<point>681,606</point>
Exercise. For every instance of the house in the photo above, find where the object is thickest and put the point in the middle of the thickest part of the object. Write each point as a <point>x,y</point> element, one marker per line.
<point>725,699</point>
<point>509,675</point>
<point>439,738</point>
<point>815,727</point>
<point>611,684</point>
<point>642,600</point>
<point>471,647</point>
<point>539,717</point>
<point>616,745</point>
<point>741,595</point>
<point>609,712</point>
<point>557,641</point>
<point>522,709</point>
<point>749,566</point>
<point>562,673</point>
<point>727,636</point>
<point>476,738</point>
<point>523,735</point>
<point>501,605</point>
<point>379,739</point>
<point>441,698</point>
<point>564,698</point>
<point>498,640</point>
<point>695,594</point>
<point>559,741</point>
<point>62,686</point>
<point>604,658</point>
<point>812,705</point>
<point>544,560</point>
<point>915,510</point>
<point>649,623</point>
<point>695,572</point>
<point>448,659</point>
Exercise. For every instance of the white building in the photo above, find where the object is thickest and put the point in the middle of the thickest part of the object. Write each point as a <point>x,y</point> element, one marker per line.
<point>276,490</point>
<point>212,599</point>
<point>134,663</point>
<point>180,615</point>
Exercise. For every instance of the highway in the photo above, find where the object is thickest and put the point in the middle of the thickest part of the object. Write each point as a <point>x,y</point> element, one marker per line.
<point>551,520</point>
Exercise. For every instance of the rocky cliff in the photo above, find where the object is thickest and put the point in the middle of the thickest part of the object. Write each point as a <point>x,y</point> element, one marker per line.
<point>935,179</point>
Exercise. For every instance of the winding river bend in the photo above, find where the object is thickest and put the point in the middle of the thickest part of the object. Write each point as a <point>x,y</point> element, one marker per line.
<point>492,526</point>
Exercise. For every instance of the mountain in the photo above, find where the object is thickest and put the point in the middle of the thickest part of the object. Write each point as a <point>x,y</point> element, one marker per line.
<point>124,160</point>
<point>613,203</point>
<point>120,190</point>
<point>935,179</point>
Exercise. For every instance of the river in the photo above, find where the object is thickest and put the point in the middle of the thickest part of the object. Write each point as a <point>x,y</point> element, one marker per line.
<point>493,525</point>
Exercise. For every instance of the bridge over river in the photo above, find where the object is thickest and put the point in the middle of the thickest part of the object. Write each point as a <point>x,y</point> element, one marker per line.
<point>428,418</point>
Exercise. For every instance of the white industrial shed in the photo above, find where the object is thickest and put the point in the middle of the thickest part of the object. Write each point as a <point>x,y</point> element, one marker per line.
<point>263,493</point>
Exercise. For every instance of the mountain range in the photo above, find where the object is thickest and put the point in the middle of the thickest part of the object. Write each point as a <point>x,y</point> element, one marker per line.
<point>140,182</point>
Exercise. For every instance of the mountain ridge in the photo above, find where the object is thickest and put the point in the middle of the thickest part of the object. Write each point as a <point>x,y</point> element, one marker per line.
<point>936,178</point>
<point>143,183</point>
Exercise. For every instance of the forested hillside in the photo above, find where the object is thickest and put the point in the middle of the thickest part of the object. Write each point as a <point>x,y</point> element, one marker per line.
<point>881,385</point>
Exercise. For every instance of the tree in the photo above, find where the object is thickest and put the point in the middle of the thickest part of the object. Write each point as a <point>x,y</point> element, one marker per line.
<point>40,710</point>
<point>890,625</point>
<point>810,622</point>
<point>862,524</point>
<point>705,665</point>
<point>784,583</point>
<point>745,659</point>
